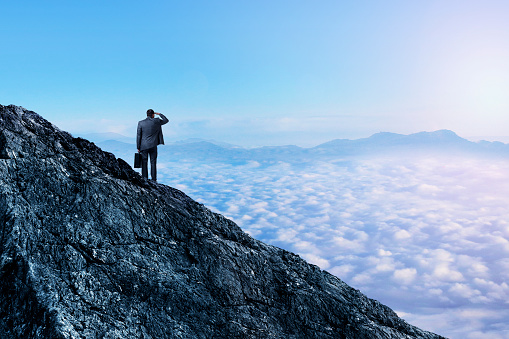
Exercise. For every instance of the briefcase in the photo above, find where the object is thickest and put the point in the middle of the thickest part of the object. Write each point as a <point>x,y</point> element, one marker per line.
<point>137,160</point>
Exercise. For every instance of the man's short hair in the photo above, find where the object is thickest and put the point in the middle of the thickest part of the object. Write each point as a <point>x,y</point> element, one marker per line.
<point>150,112</point>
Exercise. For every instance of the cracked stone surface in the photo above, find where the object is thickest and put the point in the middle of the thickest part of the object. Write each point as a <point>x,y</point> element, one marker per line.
<point>90,249</point>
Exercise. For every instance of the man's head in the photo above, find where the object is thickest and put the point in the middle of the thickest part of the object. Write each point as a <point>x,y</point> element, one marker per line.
<point>150,113</point>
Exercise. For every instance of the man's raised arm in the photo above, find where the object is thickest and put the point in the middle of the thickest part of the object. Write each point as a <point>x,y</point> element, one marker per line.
<point>163,118</point>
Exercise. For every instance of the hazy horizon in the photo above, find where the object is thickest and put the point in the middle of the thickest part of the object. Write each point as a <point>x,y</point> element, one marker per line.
<point>105,136</point>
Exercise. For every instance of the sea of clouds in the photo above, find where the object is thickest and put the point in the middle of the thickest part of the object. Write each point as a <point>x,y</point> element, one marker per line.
<point>425,235</point>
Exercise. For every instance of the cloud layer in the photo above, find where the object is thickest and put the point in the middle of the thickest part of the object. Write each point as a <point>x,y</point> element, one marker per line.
<point>427,236</point>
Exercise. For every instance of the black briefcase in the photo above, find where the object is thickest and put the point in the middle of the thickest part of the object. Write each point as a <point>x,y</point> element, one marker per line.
<point>137,160</point>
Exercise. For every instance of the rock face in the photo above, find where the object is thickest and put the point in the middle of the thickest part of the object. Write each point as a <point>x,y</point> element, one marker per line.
<point>90,249</point>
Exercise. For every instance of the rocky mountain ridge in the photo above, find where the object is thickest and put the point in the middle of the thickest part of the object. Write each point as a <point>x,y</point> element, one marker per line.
<point>90,249</point>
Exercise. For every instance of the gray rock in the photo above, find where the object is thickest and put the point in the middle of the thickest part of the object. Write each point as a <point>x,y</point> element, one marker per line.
<point>90,249</point>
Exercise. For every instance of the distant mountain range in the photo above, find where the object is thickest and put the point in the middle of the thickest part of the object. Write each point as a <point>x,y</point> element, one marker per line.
<point>441,141</point>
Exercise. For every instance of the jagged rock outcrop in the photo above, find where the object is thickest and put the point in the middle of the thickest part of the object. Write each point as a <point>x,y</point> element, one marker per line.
<point>89,249</point>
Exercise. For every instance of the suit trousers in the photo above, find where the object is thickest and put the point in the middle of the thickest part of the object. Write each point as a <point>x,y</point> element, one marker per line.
<point>152,152</point>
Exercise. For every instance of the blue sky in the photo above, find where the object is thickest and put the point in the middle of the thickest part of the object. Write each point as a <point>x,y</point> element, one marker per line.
<point>260,72</point>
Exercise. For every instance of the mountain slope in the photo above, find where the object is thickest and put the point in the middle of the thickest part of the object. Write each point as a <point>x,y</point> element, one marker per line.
<point>89,249</point>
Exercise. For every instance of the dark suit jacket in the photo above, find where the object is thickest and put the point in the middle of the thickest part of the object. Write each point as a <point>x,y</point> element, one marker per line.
<point>150,133</point>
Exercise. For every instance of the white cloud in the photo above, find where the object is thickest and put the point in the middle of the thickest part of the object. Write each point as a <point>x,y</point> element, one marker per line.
<point>362,279</point>
<point>444,273</point>
<point>287,235</point>
<point>405,276</point>
<point>464,291</point>
<point>318,261</point>
<point>342,271</point>
<point>468,322</point>
<point>384,253</point>
<point>431,232</point>
<point>427,189</point>
<point>385,264</point>
<point>402,234</point>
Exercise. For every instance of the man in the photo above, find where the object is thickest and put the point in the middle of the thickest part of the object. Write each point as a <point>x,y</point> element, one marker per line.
<point>150,134</point>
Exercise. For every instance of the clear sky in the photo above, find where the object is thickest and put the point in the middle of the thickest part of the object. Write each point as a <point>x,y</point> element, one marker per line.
<point>260,72</point>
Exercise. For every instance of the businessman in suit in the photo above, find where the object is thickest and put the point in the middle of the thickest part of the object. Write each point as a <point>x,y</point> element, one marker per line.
<point>150,134</point>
